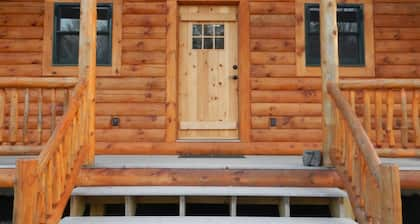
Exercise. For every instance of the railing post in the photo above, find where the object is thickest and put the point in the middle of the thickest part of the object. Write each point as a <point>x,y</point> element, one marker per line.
<point>26,189</point>
<point>87,66</point>
<point>391,211</point>
<point>330,73</point>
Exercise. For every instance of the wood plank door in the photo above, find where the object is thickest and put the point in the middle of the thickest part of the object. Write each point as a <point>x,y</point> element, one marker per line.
<point>208,73</point>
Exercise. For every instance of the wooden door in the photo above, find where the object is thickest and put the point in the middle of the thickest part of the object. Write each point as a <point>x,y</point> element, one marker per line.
<point>208,73</point>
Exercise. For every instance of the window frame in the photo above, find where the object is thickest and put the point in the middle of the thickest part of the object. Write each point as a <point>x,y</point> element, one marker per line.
<point>366,70</point>
<point>109,33</point>
<point>48,69</point>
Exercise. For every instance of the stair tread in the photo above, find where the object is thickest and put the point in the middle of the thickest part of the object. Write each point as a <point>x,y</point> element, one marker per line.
<point>209,191</point>
<point>200,220</point>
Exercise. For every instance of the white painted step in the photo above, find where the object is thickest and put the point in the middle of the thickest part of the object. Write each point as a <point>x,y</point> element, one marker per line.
<point>211,191</point>
<point>203,220</point>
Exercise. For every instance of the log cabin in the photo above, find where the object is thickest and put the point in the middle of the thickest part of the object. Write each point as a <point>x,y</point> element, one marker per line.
<point>193,111</point>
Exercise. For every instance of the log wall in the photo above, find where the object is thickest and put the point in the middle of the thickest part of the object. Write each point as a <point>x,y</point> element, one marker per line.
<point>138,97</point>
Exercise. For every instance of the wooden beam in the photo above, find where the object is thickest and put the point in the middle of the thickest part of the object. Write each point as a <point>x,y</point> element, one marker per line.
<point>214,177</point>
<point>330,73</point>
<point>87,65</point>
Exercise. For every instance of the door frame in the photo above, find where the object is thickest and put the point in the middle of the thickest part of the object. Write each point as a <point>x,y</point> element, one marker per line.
<point>172,65</point>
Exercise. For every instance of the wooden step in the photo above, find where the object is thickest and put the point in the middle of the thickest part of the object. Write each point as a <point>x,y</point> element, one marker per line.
<point>211,191</point>
<point>201,220</point>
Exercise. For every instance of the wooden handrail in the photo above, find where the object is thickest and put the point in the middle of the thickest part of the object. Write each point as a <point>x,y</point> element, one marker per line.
<point>58,134</point>
<point>22,82</point>
<point>356,128</point>
<point>53,173</point>
<point>373,187</point>
<point>379,84</point>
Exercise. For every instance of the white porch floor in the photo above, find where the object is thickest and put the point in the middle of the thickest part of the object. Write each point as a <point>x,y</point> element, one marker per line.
<point>175,162</point>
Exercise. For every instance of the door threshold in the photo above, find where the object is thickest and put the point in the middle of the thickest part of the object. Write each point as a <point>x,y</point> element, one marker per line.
<point>209,140</point>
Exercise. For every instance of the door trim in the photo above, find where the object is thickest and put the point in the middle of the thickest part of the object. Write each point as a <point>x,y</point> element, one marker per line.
<point>172,66</point>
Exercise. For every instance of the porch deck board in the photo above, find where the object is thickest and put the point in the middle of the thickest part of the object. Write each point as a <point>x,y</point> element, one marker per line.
<point>175,162</point>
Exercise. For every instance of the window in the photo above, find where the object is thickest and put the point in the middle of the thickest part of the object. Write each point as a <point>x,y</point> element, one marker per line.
<point>350,35</point>
<point>66,34</point>
<point>208,36</point>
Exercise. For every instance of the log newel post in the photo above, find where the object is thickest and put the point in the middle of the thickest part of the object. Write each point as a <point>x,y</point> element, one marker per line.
<point>87,66</point>
<point>26,192</point>
<point>390,194</point>
<point>330,73</point>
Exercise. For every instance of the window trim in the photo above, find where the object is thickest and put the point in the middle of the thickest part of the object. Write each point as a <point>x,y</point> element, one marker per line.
<point>54,54</point>
<point>48,69</point>
<point>368,70</point>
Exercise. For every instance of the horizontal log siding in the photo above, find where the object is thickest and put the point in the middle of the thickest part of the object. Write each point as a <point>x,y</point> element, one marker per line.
<point>276,91</point>
<point>138,94</point>
<point>21,38</point>
<point>397,33</point>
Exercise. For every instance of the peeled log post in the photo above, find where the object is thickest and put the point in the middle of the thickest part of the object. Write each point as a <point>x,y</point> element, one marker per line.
<point>329,68</point>
<point>87,65</point>
<point>26,188</point>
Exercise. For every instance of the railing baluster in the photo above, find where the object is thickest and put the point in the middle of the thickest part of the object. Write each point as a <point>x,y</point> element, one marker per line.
<point>40,118</point>
<point>378,113</point>
<point>404,123</point>
<point>350,143</point>
<point>2,114</point>
<point>367,122</point>
<point>66,100</point>
<point>416,125</point>
<point>25,117</point>
<point>13,121</point>
<point>53,109</point>
<point>390,118</point>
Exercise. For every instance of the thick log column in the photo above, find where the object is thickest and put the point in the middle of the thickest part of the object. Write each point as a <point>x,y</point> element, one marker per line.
<point>330,73</point>
<point>87,65</point>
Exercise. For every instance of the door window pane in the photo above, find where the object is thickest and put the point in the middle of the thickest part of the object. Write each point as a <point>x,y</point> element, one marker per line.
<point>208,36</point>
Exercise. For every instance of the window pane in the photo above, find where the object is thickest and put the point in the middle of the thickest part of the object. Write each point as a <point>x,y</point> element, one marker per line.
<point>219,43</point>
<point>314,26</point>
<point>349,49</point>
<point>197,43</point>
<point>67,54</point>
<point>208,43</point>
<point>208,30</point>
<point>313,51</point>
<point>197,29</point>
<point>68,19</point>
<point>103,51</point>
<point>219,29</point>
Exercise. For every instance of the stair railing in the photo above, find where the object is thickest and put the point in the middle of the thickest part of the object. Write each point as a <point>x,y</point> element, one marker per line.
<point>44,184</point>
<point>373,187</point>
